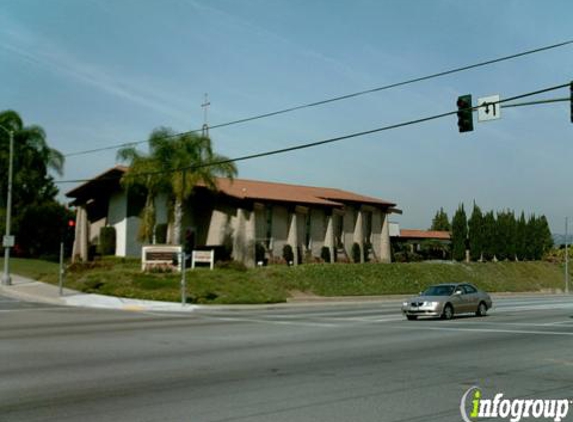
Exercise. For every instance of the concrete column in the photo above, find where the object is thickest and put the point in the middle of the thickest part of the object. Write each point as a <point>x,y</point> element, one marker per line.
<point>359,234</point>
<point>329,236</point>
<point>239,238</point>
<point>376,235</point>
<point>293,236</point>
<point>81,236</point>
<point>250,238</point>
<point>385,254</point>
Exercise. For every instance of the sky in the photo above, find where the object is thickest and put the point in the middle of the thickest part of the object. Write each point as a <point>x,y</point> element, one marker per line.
<point>95,73</point>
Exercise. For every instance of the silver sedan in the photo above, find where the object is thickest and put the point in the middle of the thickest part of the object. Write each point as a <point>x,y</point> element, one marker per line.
<point>445,300</point>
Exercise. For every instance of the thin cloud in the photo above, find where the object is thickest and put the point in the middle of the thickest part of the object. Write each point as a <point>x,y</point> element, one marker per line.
<point>334,64</point>
<point>42,53</point>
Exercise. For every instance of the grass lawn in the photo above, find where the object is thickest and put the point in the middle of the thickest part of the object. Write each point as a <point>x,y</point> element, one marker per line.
<point>123,277</point>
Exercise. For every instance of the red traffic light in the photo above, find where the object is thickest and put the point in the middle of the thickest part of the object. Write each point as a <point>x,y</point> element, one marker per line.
<point>71,223</point>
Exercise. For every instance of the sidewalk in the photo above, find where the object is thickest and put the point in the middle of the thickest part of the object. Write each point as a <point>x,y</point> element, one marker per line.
<point>35,291</point>
<point>29,290</point>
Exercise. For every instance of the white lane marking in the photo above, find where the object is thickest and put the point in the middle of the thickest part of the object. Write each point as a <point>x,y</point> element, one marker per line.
<point>470,321</point>
<point>373,319</point>
<point>494,330</point>
<point>534,307</point>
<point>559,322</point>
<point>266,321</point>
<point>30,309</point>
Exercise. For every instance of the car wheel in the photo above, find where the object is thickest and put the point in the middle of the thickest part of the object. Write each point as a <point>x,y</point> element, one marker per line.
<point>448,312</point>
<point>412,317</point>
<point>482,309</point>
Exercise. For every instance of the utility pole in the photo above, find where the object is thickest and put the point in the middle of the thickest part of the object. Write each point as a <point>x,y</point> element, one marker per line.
<point>205,105</point>
<point>566,257</point>
<point>8,240</point>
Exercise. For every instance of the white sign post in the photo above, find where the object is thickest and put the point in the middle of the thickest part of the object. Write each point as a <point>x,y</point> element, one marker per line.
<point>207,257</point>
<point>489,108</point>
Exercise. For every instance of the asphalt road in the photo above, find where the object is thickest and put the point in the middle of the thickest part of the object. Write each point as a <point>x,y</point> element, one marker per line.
<point>318,363</point>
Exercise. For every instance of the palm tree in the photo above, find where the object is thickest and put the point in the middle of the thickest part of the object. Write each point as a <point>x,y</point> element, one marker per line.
<point>33,159</point>
<point>175,165</point>
<point>144,172</point>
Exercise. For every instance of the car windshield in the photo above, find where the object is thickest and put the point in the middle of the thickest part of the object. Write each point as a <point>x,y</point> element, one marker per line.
<point>439,291</point>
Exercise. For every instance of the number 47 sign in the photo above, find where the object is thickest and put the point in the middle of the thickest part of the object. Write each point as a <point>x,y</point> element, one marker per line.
<point>489,108</point>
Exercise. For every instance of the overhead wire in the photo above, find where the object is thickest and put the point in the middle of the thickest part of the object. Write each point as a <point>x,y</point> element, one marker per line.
<point>321,142</point>
<point>337,98</point>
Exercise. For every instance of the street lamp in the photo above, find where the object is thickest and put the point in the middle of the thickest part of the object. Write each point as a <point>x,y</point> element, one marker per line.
<point>8,240</point>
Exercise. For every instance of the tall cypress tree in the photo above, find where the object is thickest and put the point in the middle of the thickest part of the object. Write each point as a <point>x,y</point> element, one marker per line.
<point>506,232</point>
<point>459,234</point>
<point>476,233</point>
<point>545,237</point>
<point>511,244</point>
<point>531,236</point>
<point>521,238</point>
<point>489,234</point>
<point>441,221</point>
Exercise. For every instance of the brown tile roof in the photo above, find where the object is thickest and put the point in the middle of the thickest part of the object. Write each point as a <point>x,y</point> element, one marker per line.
<point>424,234</point>
<point>270,191</point>
<point>257,190</point>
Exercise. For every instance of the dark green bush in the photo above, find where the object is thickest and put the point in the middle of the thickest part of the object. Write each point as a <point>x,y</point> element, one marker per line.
<point>260,253</point>
<point>231,265</point>
<point>356,252</point>
<point>288,254</point>
<point>161,233</point>
<point>325,253</point>
<point>107,240</point>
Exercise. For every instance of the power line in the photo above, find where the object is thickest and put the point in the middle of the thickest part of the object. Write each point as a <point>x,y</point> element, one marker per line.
<point>339,98</point>
<point>324,141</point>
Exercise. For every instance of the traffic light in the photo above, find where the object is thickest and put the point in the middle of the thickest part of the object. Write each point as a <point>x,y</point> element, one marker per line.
<point>465,113</point>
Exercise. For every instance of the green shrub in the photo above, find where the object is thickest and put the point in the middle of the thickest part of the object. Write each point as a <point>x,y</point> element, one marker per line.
<point>288,254</point>
<point>260,253</point>
<point>325,253</point>
<point>93,285</point>
<point>231,265</point>
<point>107,240</point>
<point>161,233</point>
<point>356,252</point>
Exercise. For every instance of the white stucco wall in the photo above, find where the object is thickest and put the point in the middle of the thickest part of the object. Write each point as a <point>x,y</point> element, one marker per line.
<point>132,245</point>
<point>219,225</point>
<point>116,217</point>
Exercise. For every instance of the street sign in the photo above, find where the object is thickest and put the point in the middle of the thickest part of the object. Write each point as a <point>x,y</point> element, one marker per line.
<point>8,241</point>
<point>489,108</point>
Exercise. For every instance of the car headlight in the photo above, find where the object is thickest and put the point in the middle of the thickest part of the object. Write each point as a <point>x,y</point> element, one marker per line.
<point>404,303</point>
<point>431,304</point>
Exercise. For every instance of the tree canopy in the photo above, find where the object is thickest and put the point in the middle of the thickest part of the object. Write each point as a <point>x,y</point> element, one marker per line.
<point>175,165</point>
<point>38,221</point>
